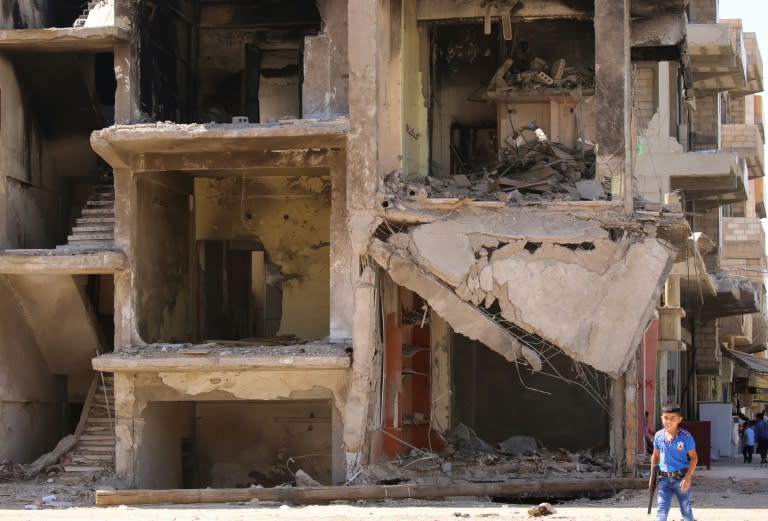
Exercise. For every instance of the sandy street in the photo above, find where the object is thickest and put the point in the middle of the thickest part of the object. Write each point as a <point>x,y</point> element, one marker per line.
<point>727,492</point>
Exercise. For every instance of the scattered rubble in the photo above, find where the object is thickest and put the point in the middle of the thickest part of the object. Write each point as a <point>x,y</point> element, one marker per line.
<point>470,459</point>
<point>524,73</point>
<point>532,168</point>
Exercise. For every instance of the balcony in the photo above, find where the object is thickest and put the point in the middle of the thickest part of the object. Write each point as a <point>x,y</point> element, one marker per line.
<point>717,57</point>
<point>709,179</point>
<point>747,142</point>
<point>754,83</point>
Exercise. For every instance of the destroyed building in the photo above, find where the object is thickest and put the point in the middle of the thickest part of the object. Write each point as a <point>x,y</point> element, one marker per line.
<point>320,235</point>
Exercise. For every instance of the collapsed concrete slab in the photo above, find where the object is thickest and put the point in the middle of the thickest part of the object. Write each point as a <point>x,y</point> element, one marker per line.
<point>463,318</point>
<point>559,276</point>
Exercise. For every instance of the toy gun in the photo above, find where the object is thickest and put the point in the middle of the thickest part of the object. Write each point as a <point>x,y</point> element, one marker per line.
<point>652,486</point>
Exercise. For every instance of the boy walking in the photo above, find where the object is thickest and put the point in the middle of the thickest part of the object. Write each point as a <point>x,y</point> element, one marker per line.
<point>748,436</point>
<point>674,450</point>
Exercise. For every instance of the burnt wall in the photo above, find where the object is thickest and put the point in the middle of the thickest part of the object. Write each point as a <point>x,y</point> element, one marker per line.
<point>32,194</point>
<point>290,216</point>
<point>163,249</point>
<point>489,397</point>
<point>249,58</point>
<point>465,60</point>
<point>165,30</point>
<point>22,14</point>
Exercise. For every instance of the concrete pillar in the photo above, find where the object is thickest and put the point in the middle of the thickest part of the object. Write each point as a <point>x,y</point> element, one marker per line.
<point>125,443</point>
<point>363,141</point>
<point>127,91</point>
<point>612,94</point>
<point>632,428</point>
<point>362,184</point>
<point>126,216</point>
<point>672,292</point>
<point>342,258</point>
<point>364,341</point>
<point>617,406</point>
<point>326,64</point>
<point>664,90</point>
<point>441,344</point>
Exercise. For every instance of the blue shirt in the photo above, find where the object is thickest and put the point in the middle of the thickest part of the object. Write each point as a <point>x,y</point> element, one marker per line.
<point>674,453</point>
<point>749,436</point>
<point>761,429</point>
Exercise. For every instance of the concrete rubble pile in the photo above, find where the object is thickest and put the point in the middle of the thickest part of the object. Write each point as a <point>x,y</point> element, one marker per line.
<point>522,73</point>
<point>533,168</point>
<point>469,458</point>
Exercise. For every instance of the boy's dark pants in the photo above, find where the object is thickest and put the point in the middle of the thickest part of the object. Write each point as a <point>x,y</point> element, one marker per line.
<point>748,450</point>
<point>762,448</point>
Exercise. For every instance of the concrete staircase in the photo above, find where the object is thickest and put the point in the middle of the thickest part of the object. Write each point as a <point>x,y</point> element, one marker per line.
<point>80,22</point>
<point>95,228</point>
<point>95,447</point>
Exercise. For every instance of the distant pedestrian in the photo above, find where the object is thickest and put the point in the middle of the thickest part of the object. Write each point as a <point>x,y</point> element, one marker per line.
<point>748,441</point>
<point>674,450</point>
<point>761,434</point>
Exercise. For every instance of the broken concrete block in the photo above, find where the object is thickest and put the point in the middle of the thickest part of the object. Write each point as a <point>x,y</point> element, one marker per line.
<point>515,445</point>
<point>590,189</point>
<point>544,509</point>
<point>490,298</point>
<point>464,438</point>
<point>486,278</point>
<point>449,260</point>
<point>461,181</point>
<point>400,240</point>
<point>557,70</point>
<point>305,480</point>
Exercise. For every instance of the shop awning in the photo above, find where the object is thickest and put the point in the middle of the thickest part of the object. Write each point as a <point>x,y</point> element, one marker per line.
<point>753,363</point>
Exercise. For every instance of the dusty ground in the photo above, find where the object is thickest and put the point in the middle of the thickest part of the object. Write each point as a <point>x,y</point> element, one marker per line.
<point>727,492</point>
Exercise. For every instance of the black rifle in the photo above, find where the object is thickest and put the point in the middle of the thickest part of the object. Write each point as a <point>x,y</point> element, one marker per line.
<point>652,487</point>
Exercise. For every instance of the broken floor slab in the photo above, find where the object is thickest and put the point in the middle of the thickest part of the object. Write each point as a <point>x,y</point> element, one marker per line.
<point>463,318</point>
<point>211,356</point>
<point>62,261</point>
<point>538,266</point>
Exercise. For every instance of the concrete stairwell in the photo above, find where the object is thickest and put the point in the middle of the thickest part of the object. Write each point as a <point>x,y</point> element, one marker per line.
<point>95,228</point>
<point>95,447</point>
<point>80,22</point>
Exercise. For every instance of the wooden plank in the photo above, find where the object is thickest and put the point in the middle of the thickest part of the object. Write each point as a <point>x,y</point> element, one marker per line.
<point>319,494</point>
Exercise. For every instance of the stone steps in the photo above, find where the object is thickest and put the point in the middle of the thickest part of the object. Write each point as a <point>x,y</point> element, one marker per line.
<point>95,228</point>
<point>95,448</point>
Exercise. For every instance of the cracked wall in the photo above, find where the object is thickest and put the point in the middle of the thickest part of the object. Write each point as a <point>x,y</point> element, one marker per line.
<point>290,216</point>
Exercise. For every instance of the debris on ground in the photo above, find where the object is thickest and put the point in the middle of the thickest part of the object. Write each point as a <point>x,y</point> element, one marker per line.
<point>544,509</point>
<point>468,458</point>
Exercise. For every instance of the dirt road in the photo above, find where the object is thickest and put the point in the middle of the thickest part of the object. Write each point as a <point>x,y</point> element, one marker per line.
<point>728,492</point>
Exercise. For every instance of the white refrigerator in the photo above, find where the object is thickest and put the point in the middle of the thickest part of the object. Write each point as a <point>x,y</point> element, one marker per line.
<point>721,420</point>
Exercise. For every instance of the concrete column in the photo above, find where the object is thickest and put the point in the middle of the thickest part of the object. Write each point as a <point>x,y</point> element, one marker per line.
<point>342,258</point>
<point>363,141</point>
<point>672,292</point>
<point>126,331</point>
<point>125,443</point>
<point>617,406</point>
<point>362,183</point>
<point>441,337</point>
<point>127,91</point>
<point>612,94</point>
<point>664,89</point>
<point>631,416</point>
<point>364,341</point>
